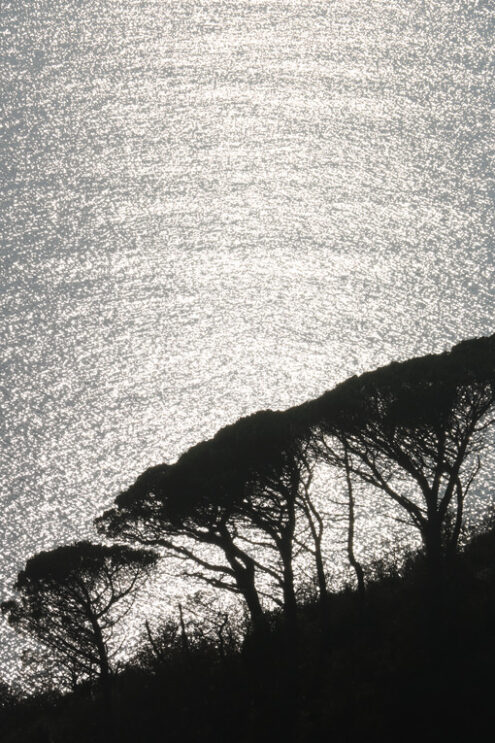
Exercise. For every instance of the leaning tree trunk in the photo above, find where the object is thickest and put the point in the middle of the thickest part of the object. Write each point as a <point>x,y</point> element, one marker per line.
<point>101,649</point>
<point>355,564</point>
<point>245,579</point>
<point>290,603</point>
<point>315,523</point>
<point>243,568</point>
<point>285,546</point>
<point>320,573</point>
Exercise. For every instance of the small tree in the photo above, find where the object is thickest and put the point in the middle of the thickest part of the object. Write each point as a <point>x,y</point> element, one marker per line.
<point>71,598</point>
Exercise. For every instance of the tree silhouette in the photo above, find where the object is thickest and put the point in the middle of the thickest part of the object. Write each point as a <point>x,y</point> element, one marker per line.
<point>187,509</point>
<point>240,493</point>
<point>415,431</point>
<point>274,493</point>
<point>71,598</point>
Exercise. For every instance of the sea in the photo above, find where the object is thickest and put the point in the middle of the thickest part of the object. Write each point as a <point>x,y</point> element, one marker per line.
<point>211,207</point>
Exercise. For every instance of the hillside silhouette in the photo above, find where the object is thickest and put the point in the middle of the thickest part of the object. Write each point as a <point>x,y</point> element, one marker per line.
<point>405,651</point>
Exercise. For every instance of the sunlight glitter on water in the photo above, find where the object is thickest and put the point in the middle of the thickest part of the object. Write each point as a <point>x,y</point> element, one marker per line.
<point>215,207</point>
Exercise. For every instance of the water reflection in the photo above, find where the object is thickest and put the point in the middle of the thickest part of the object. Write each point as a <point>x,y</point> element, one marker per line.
<point>212,208</point>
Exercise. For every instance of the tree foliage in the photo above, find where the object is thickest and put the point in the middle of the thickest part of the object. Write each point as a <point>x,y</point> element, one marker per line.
<point>71,598</point>
<point>415,431</point>
<point>238,508</point>
<point>240,493</point>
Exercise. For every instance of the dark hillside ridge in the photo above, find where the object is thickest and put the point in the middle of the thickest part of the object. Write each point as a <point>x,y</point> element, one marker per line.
<point>412,430</point>
<point>369,673</point>
<point>407,654</point>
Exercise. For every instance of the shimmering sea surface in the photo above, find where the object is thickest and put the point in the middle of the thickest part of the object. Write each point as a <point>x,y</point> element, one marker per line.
<point>214,207</point>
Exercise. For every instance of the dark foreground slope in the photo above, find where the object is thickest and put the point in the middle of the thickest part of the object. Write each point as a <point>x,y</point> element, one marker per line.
<point>411,659</point>
<point>387,668</point>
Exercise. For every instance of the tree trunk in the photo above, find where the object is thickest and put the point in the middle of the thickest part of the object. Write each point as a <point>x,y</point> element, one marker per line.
<point>245,575</point>
<point>285,546</point>
<point>104,674</point>
<point>183,633</point>
<point>100,647</point>
<point>290,603</point>
<point>434,588</point>
<point>456,531</point>
<point>432,540</point>
<point>315,523</point>
<point>320,573</point>
<point>355,564</point>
